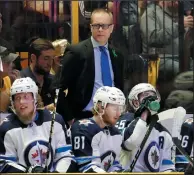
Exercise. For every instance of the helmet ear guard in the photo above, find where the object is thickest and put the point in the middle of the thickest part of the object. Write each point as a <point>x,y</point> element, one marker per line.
<point>135,103</point>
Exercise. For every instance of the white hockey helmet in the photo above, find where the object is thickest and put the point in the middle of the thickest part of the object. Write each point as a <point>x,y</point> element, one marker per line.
<point>138,89</point>
<point>24,85</point>
<point>109,95</point>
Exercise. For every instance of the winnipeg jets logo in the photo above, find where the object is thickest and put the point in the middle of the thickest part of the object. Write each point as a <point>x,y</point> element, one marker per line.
<point>40,155</point>
<point>107,159</point>
<point>152,157</point>
<point>107,165</point>
<point>85,122</point>
<point>36,153</point>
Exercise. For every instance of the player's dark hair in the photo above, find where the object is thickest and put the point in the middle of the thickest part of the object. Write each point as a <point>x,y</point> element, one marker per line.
<point>39,45</point>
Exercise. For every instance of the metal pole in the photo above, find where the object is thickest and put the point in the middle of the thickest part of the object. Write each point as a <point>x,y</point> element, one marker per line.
<point>74,22</point>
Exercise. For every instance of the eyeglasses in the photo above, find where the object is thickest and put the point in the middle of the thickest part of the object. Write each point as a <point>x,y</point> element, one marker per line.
<point>103,26</point>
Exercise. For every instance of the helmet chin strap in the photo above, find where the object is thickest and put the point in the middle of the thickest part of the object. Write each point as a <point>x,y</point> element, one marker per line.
<point>100,114</point>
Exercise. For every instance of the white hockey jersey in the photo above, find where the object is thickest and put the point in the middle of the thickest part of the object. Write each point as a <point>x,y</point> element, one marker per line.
<point>96,149</point>
<point>156,154</point>
<point>28,144</point>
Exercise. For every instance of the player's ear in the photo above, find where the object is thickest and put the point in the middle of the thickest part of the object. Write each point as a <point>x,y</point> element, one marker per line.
<point>135,103</point>
<point>33,58</point>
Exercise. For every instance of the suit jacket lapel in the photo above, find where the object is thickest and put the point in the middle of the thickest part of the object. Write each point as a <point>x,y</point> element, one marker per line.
<point>89,56</point>
<point>89,49</point>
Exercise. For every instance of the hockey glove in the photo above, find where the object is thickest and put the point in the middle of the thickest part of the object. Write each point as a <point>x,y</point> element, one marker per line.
<point>35,169</point>
<point>150,104</point>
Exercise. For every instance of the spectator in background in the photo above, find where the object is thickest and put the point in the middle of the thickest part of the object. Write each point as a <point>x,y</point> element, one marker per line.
<point>126,36</point>
<point>163,38</point>
<point>6,60</point>
<point>82,73</point>
<point>3,42</point>
<point>16,68</point>
<point>188,6</point>
<point>183,93</point>
<point>16,64</point>
<point>41,55</point>
<point>128,18</point>
<point>128,15</point>
<point>129,12</point>
<point>42,12</point>
<point>60,46</point>
<point>18,33</point>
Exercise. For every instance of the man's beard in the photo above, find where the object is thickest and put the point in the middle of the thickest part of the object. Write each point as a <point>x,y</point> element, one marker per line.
<point>26,119</point>
<point>39,70</point>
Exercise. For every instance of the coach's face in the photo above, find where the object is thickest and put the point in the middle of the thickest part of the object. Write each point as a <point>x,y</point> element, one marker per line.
<point>101,27</point>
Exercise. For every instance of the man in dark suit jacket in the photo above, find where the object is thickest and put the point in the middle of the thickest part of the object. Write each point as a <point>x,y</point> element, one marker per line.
<point>82,71</point>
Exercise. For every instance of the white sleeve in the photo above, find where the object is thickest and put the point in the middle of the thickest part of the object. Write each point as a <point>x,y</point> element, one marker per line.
<point>63,158</point>
<point>8,155</point>
<point>8,150</point>
<point>134,134</point>
<point>166,159</point>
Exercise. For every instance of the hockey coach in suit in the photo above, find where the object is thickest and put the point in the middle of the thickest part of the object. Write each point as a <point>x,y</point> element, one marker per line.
<point>87,66</point>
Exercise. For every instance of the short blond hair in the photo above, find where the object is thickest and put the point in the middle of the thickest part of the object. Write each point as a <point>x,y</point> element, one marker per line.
<point>60,46</point>
<point>94,112</point>
<point>101,10</point>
